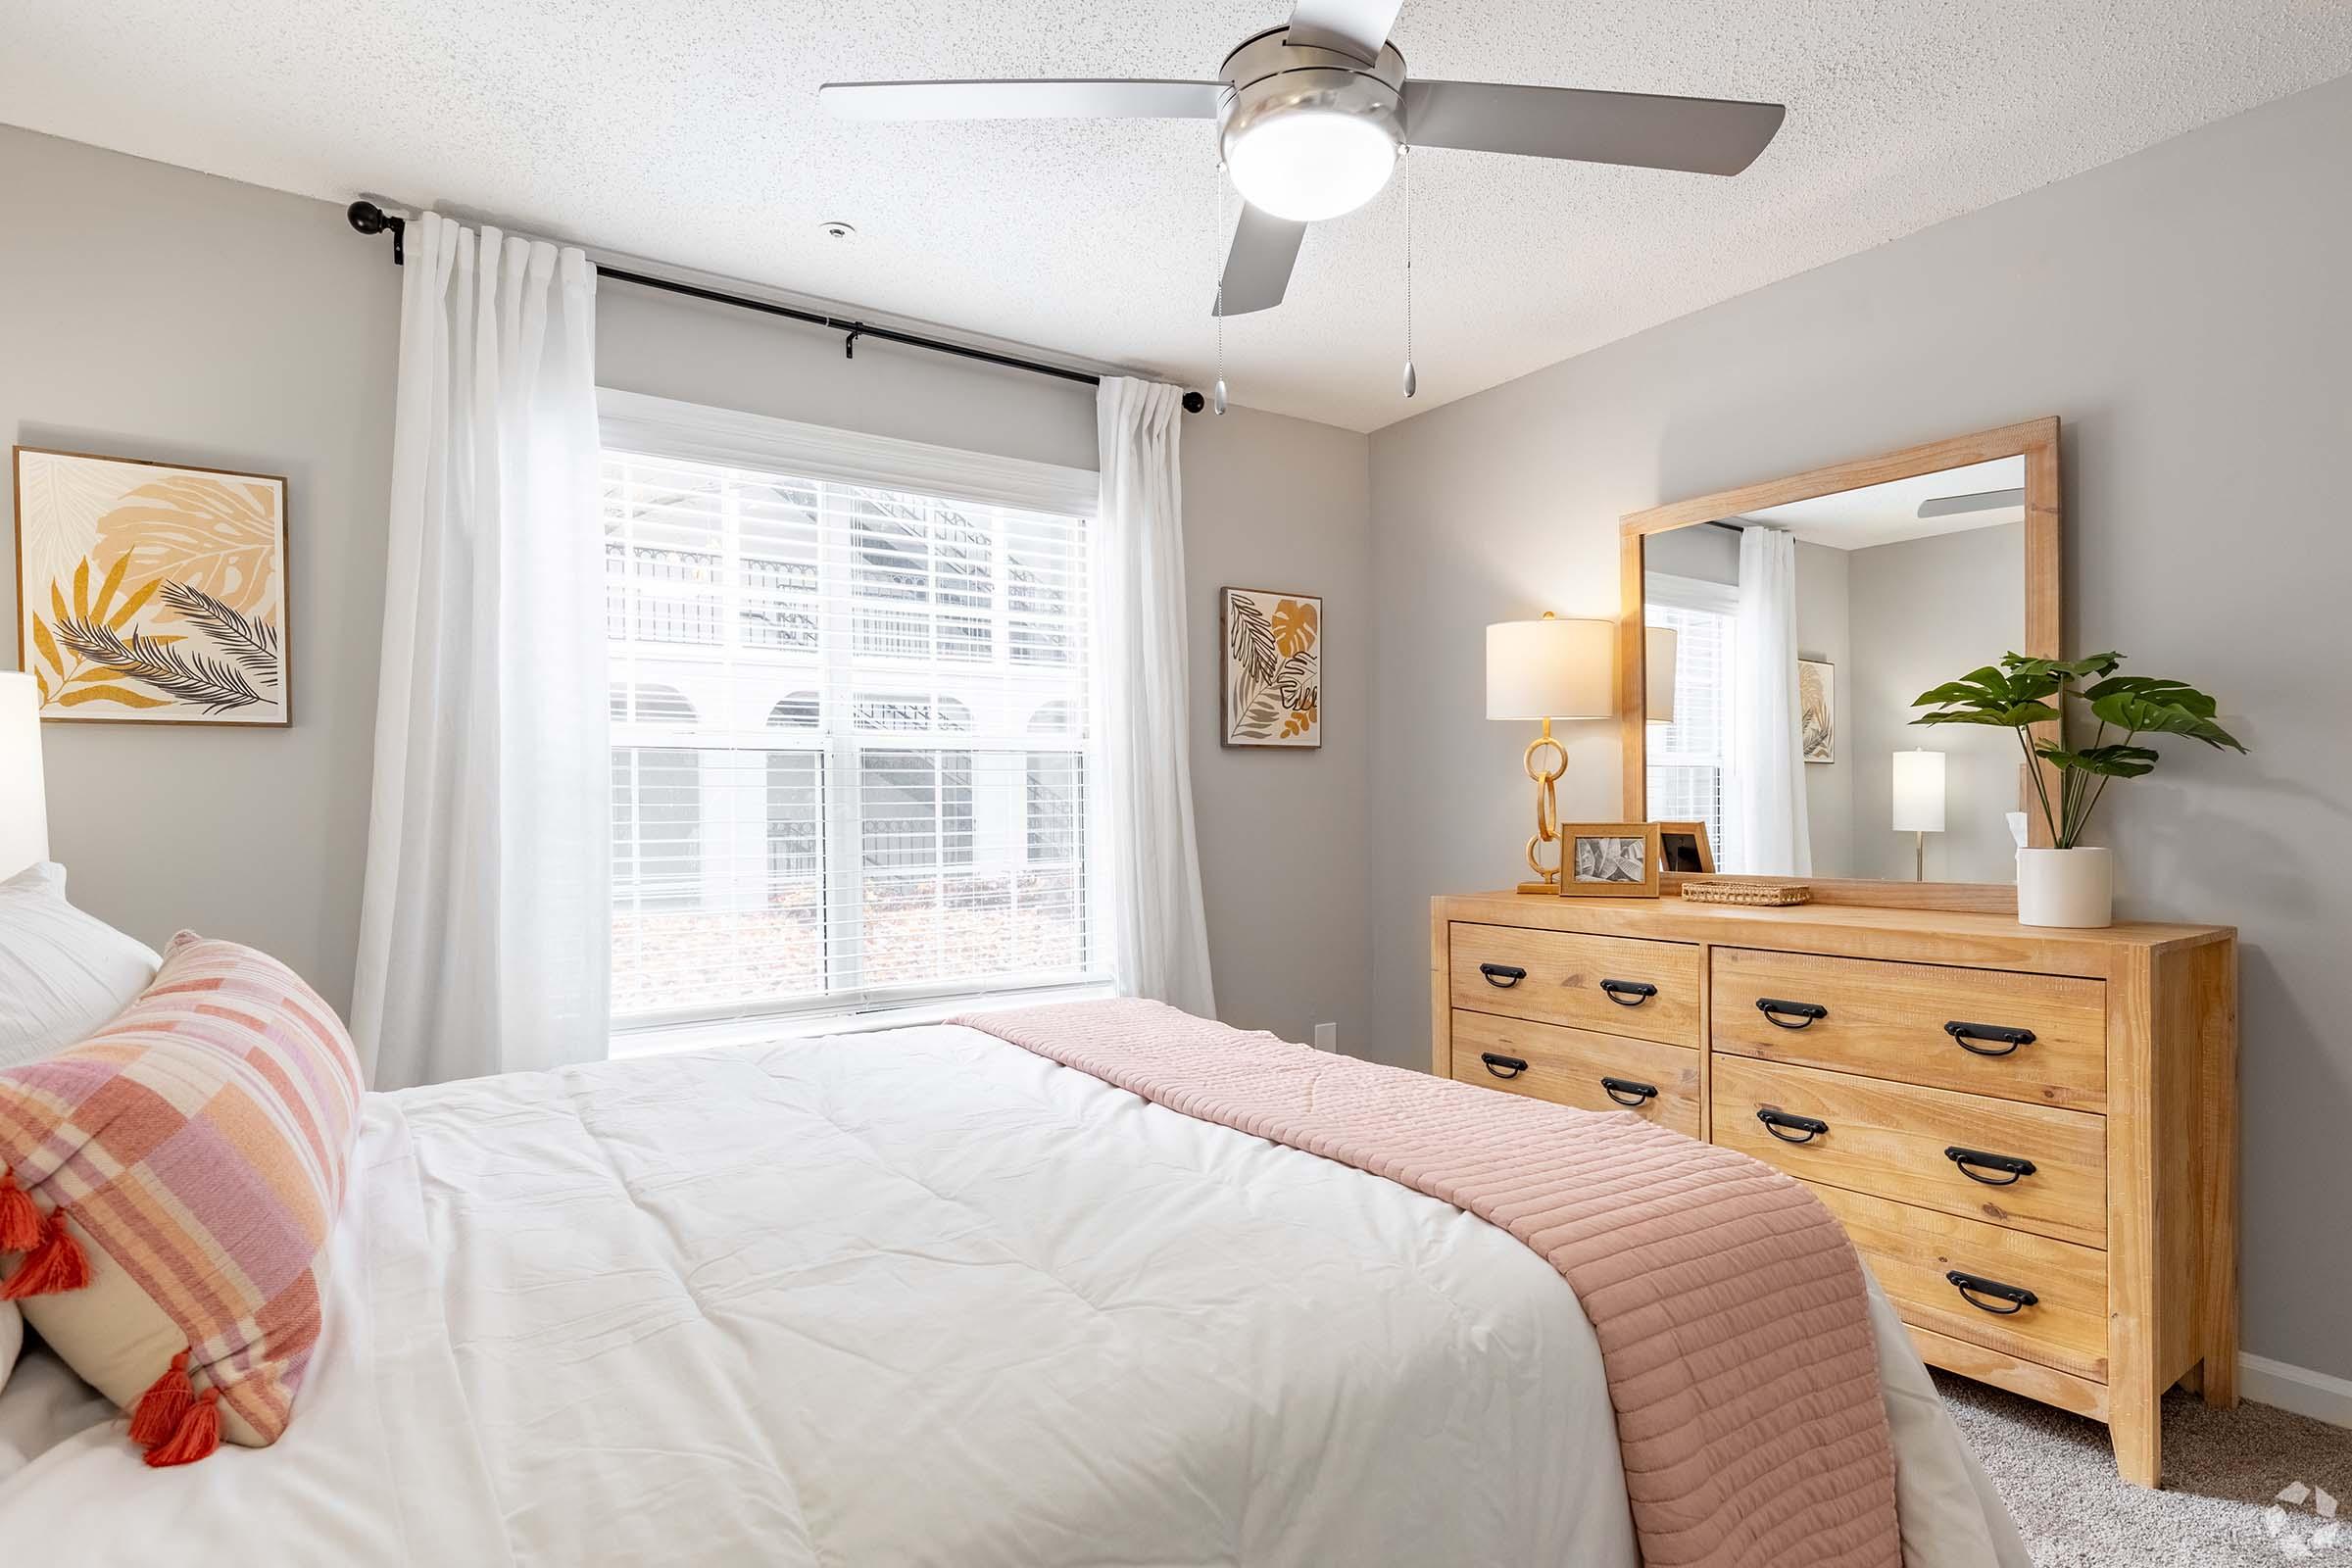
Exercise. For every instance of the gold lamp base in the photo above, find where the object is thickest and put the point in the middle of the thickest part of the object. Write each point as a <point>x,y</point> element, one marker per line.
<point>1547,811</point>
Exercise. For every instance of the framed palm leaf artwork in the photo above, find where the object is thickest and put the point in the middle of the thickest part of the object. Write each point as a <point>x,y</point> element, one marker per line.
<point>1273,661</point>
<point>150,593</point>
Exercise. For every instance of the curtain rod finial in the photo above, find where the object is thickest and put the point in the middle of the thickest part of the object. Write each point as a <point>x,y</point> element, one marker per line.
<point>1194,403</point>
<point>367,218</point>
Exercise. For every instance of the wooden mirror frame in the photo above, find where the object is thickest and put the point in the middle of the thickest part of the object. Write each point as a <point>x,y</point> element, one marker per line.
<point>2036,441</point>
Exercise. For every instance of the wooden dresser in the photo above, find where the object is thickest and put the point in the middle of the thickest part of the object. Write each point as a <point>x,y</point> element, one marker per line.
<point>2030,1134</point>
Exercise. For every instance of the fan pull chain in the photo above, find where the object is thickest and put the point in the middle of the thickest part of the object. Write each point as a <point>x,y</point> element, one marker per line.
<point>1412,381</point>
<point>1216,235</point>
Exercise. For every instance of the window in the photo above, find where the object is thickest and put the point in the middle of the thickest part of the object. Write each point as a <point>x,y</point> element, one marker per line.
<point>850,753</point>
<point>1688,757</point>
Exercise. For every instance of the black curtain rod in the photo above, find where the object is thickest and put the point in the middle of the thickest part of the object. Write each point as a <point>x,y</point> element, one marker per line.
<point>369,219</point>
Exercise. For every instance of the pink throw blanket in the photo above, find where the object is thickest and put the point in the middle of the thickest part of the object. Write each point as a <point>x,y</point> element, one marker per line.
<point>1733,1318</point>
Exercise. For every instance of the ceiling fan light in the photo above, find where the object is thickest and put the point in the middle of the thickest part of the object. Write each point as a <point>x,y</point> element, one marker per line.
<point>1310,165</point>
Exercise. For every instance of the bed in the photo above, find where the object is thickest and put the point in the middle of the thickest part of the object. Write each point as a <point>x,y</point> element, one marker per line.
<point>908,1298</point>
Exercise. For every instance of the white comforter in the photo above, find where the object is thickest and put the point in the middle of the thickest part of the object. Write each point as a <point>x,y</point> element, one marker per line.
<point>916,1298</point>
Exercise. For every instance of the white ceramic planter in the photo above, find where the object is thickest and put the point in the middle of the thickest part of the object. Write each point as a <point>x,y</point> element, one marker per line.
<point>2065,887</point>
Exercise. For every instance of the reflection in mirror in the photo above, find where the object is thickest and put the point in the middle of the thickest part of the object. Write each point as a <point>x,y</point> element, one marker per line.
<point>1801,634</point>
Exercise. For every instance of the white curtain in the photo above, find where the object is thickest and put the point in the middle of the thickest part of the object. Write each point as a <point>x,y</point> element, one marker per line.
<point>1153,909</point>
<point>1767,805</point>
<point>484,930</point>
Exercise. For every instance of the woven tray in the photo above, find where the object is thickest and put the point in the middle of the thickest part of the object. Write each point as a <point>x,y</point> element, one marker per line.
<point>1704,890</point>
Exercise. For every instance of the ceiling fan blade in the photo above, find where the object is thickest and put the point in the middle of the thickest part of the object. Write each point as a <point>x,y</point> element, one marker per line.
<point>1701,135</point>
<point>1095,99</point>
<point>1258,267</point>
<point>1355,28</point>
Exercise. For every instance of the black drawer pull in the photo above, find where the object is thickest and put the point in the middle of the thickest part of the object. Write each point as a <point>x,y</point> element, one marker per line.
<point>1778,1013</point>
<point>1774,1120</point>
<point>1497,1063</point>
<point>1628,1093</point>
<point>1968,1160</point>
<point>1972,1286</point>
<point>2010,1039</point>
<point>1503,975</point>
<point>1620,991</point>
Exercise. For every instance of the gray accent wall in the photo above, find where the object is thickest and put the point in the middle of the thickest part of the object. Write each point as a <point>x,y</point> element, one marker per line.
<point>2187,313</point>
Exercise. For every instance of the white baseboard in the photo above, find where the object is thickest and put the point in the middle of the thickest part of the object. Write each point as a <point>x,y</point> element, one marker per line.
<point>2294,1387</point>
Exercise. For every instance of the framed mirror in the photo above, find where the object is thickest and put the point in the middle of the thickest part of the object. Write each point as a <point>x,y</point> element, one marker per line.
<point>1775,636</point>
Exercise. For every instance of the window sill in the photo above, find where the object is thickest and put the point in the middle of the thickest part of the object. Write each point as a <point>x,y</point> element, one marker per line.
<point>659,1040</point>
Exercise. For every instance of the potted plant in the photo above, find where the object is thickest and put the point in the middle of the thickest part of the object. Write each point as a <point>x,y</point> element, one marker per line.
<point>2073,884</point>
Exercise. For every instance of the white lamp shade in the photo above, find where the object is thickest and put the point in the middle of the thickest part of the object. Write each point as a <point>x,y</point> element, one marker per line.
<point>1658,645</point>
<point>23,808</point>
<point>1919,792</point>
<point>1551,670</point>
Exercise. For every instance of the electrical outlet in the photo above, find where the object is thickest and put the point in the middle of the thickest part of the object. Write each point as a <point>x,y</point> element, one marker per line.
<point>1327,1037</point>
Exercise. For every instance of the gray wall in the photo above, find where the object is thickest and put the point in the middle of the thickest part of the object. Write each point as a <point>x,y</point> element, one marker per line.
<point>1285,835</point>
<point>1925,612</point>
<point>2185,312</point>
<point>147,312</point>
<point>163,314</point>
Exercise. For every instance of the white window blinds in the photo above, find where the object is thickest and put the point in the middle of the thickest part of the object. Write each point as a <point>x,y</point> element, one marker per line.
<point>1688,757</point>
<point>849,750</point>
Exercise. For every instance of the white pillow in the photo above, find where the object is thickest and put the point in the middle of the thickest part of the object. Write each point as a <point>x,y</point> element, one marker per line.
<point>62,972</point>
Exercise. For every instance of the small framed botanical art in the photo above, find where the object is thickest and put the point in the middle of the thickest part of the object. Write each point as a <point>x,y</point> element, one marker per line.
<point>151,593</point>
<point>1817,708</point>
<point>1684,850</point>
<point>1609,860</point>
<point>1271,645</point>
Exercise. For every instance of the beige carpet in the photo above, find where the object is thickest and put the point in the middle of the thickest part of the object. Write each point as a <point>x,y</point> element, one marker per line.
<point>2222,1473</point>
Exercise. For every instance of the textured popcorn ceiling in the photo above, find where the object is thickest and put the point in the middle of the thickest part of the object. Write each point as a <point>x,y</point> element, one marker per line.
<point>690,132</point>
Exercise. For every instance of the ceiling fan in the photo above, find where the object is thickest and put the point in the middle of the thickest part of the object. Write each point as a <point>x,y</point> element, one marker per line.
<point>1314,115</point>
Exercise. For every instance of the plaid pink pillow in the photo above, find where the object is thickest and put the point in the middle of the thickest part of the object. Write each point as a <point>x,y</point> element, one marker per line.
<point>169,1184</point>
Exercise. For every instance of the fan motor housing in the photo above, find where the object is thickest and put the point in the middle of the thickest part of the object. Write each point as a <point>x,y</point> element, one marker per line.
<point>1268,77</point>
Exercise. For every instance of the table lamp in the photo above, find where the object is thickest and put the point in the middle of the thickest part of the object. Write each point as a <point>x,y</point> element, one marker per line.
<point>1919,799</point>
<point>1658,645</point>
<point>23,811</point>
<point>1547,669</point>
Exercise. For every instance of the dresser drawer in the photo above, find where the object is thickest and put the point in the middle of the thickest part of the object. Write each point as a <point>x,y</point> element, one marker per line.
<point>1892,1138</point>
<point>1617,985</point>
<point>1577,1067</point>
<point>1912,1250</point>
<point>1920,1023</point>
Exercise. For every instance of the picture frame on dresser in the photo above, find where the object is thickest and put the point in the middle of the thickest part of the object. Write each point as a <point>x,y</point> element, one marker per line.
<point>1609,860</point>
<point>2031,1134</point>
<point>1684,849</point>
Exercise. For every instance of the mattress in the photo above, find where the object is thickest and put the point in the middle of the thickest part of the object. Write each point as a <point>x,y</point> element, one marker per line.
<point>912,1297</point>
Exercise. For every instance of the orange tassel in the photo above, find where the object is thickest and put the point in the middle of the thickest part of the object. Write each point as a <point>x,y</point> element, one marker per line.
<point>198,1436</point>
<point>53,1267</point>
<point>20,1216</point>
<point>163,1405</point>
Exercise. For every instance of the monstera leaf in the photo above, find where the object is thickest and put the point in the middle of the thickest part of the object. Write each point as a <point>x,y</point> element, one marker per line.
<point>2107,761</point>
<point>2149,707</point>
<point>1294,627</point>
<point>1297,680</point>
<point>1990,696</point>
<point>215,533</point>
